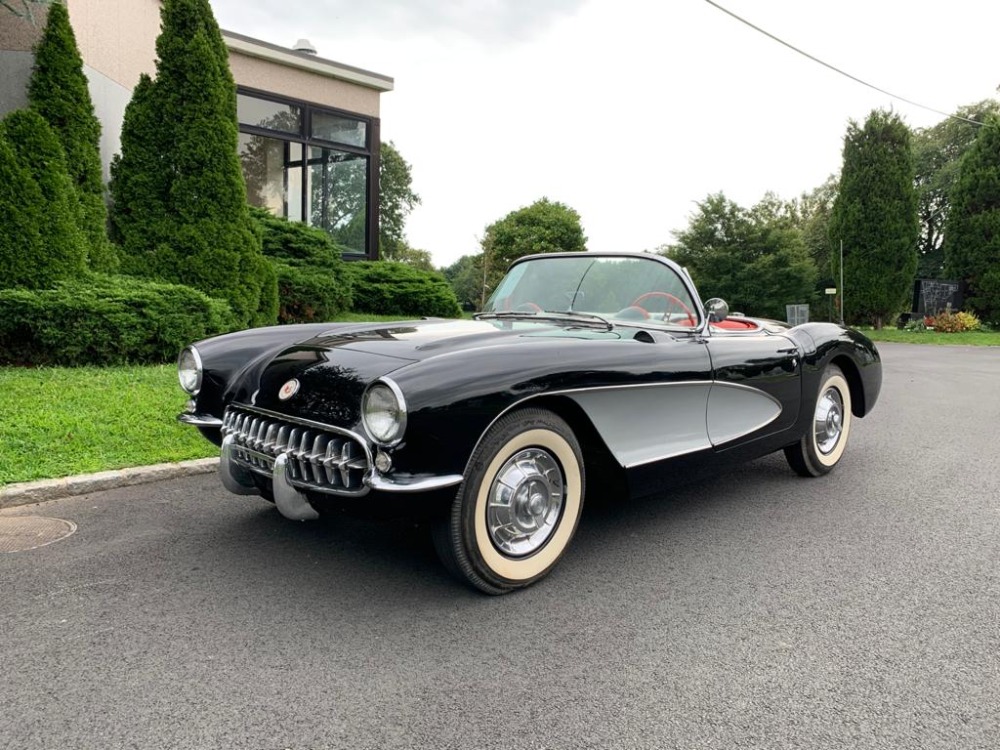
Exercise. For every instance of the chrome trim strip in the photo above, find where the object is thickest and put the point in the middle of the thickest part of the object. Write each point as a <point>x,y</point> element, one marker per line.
<point>199,420</point>
<point>391,483</point>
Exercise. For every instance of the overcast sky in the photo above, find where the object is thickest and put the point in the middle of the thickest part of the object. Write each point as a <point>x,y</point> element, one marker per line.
<point>630,111</point>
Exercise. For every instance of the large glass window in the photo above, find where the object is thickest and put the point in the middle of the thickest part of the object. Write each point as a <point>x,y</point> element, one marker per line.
<point>338,195</point>
<point>264,113</point>
<point>291,174</point>
<point>330,127</point>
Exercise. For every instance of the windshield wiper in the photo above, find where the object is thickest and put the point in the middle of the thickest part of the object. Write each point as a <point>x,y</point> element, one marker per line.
<point>558,316</point>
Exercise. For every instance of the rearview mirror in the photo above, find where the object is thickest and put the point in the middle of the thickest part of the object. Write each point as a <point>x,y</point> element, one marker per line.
<point>716,310</point>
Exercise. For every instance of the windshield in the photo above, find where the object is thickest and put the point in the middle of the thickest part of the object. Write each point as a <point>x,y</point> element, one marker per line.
<point>623,290</point>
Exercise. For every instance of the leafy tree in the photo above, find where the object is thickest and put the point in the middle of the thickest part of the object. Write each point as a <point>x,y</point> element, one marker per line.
<point>396,201</point>
<point>972,234</point>
<point>179,200</point>
<point>21,204</point>
<point>937,152</point>
<point>466,277</point>
<point>875,215</point>
<point>63,250</point>
<point>543,227</point>
<point>58,92</point>
<point>753,258</point>
<point>814,209</point>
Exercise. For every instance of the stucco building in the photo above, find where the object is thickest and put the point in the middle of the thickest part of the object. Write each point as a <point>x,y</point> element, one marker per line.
<point>309,126</point>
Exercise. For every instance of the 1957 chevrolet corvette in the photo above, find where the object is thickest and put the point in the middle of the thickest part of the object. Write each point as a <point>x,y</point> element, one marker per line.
<point>583,368</point>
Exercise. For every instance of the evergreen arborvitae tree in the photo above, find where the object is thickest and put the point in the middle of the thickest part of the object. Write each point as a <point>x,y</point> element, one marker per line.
<point>58,92</point>
<point>179,201</point>
<point>21,208</point>
<point>972,233</point>
<point>63,252</point>
<point>875,215</point>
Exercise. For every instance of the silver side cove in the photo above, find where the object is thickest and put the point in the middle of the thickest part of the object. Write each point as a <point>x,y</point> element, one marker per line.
<point>643,424</point>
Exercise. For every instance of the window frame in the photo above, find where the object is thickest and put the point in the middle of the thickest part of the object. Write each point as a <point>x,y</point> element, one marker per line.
<point>371,151</point>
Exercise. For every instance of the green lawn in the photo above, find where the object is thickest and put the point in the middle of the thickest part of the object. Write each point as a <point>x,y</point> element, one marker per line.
<point>55,422</point>
<point>969,338</point>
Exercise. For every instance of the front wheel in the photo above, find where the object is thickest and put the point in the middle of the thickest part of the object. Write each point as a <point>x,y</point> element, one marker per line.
<point>821,448</point>
<point>518,507</point>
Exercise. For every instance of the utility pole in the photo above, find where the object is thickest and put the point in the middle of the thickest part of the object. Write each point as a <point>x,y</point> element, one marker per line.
<point>841,282</point>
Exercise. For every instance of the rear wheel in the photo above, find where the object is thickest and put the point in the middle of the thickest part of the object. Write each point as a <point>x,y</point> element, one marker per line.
<point>821,448</point>
<point>518,507</point>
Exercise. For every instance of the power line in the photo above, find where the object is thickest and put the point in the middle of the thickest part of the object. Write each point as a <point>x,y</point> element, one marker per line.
<point>836,69</point>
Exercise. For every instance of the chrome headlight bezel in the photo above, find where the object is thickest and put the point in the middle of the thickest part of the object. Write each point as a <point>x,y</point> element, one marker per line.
<point>190,370</point>
<point>389,411</point>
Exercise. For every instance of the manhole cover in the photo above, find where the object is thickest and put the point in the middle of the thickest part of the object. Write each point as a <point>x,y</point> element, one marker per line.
<point>20,533</point>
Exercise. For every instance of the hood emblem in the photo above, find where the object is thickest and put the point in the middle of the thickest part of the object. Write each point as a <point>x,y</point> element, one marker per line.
<point>289,389</point>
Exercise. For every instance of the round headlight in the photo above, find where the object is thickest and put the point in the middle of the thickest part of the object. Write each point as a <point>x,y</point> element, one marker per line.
<point>383,412</point>
<point>189,370</point>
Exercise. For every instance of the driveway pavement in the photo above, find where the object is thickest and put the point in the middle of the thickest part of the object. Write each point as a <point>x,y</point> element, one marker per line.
<point>755,610</point>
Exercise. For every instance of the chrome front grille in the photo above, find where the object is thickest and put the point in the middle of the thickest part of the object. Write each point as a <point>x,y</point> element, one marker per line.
<point>320,457</point>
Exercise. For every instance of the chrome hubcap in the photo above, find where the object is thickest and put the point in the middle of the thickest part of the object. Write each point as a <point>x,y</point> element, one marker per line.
<point>829,420</point>
<point>525,500</point>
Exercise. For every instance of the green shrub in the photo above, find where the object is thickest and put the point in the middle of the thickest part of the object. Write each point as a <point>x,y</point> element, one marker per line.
<point>21,211</point>
<point>58,91</point>
<point>63,250</point>
<point>312,283</point>
<point>386,288</point>
<point>956,322</point>
<point>106,320</point>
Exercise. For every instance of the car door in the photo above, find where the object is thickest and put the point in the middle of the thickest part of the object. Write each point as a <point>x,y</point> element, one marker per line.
<point>756,386</point>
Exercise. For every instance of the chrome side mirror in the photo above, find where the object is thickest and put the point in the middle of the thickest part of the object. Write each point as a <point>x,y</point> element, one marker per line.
<point>716,310</point>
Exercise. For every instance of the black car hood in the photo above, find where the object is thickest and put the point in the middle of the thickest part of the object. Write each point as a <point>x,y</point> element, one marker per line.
<point>420,340</point>
<point>333,369</point>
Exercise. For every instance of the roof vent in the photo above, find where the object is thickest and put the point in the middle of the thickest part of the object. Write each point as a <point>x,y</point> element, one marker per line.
<point>304,45</point>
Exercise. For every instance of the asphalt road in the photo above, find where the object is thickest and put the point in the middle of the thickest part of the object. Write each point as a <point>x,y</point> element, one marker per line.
<point>757,610</point>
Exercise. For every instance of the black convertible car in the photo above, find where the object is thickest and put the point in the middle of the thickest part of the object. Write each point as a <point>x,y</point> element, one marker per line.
<point>584,369</point>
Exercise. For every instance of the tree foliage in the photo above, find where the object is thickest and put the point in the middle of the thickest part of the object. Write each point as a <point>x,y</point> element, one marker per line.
<point>875,215</point>
<point>58,92</point>
<point>63,250</point>
<point>937,153</point>
<point>972,233</point>
<point>466,277</point>
<point>754,258</point>
<point>21,204</point>
<point>179,200</point>
<point>396,200</point>
<point>543,227</point>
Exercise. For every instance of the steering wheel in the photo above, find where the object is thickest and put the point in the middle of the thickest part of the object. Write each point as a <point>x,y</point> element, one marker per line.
<point>522,306</point>
<point>671,300</point>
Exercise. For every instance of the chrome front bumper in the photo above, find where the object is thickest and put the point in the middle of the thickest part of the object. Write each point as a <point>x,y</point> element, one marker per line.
<point>300,456</point>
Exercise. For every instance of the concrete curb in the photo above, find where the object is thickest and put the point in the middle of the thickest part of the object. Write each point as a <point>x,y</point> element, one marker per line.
<point>26,493</point>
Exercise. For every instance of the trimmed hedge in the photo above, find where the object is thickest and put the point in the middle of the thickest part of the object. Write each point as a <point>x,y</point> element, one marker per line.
<point>387,288</point>
<point>106,320</point>
<point>312,283</point>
